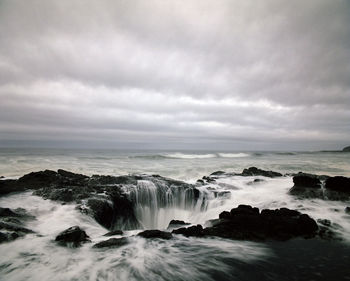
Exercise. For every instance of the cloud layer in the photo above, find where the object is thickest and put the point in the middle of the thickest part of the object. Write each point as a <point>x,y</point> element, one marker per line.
<point>175,74</point>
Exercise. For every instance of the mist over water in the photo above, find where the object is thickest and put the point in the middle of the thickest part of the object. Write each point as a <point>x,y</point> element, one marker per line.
<point>36,256</point>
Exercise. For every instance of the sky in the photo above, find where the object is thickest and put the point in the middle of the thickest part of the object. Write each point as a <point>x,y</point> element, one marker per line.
<point>157,74</point>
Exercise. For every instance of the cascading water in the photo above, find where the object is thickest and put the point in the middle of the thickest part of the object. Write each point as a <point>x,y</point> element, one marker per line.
<point>157,203</point>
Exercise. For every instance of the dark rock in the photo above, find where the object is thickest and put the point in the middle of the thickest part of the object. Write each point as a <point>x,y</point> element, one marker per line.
<point>102,211</point>
<point>347,210</point>
<point>195,230</point>
<point>208,179</point>
<point>114,232</point>
<point>112,243</point>
<point>14,227</point>
<point>72,236</point>
<point>2,177</point>
<point>8,186</point>
<point>155,233</point>
<point>7,212</point>
<point>247,223</point>
<point>306,180</point>
<point>253,171</point>
<point>176,223</point>
<point>341,184</point>
<point>346,149</point>
<point>38,179</point>
<point>217,173</point>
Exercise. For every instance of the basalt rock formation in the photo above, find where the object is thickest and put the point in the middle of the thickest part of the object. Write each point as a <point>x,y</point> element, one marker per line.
<point>247,223</point>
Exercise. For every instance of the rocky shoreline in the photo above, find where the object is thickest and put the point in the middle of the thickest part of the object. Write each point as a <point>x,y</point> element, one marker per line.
<point>111,202</point>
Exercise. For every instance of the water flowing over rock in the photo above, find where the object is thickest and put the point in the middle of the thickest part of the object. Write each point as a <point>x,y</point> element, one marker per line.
<point>112,243</point>
<point>72,237</point>
<point>11,224</point>
<point>310,186</point>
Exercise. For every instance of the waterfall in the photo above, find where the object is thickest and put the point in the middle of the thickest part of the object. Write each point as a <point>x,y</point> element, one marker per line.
<point>156,203</point>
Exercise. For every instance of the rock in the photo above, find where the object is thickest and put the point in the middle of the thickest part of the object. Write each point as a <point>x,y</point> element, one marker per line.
<point>253,171</point>
<point>112,243</point>
<point>341,184</point>
<point>102,211</point>
<point>306,180</point>
<point>195,230</point>
<point>346,149</point>
<point>7,212</point>
<point>114,232</point>
<point>176,224</point>
<point>247,223</point>
<point>8,186</point>
<point>2,177</point>
<point>347,210</point>
<point>155,233</point>
<point>72,236</point>
<point>326,230</point>
<point>217,173</point>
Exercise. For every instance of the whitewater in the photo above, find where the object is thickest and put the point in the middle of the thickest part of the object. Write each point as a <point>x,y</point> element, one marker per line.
<point>36,256</point>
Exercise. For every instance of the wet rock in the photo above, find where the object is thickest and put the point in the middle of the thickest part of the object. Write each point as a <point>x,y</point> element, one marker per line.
<point>112,243</point>
<point>306,180</point>
<point>176,223</point>
<point>195,230</point>
<point>347,210</point>
<point>72,236</point>
<point>114,232</point>
<point>217,173</point>
<point>247,223</point>
<point>102,211</point>
<point>2,177</point>
<point>341,184</point>
<point>8,186</point>
<point>253,171</point>
<point>155,233</point>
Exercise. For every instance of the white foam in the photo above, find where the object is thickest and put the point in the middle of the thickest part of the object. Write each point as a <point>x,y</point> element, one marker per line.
<point>190,156</point>
<point>233,155</point>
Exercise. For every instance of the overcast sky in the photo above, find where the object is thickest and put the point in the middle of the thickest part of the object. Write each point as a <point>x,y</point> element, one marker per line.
<point>230,75</point>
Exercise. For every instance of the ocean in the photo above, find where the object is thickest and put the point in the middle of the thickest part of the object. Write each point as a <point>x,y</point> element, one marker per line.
<point>37,257</point>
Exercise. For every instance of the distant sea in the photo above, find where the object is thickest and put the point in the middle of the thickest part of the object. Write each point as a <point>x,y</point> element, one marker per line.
<point>182,165</point>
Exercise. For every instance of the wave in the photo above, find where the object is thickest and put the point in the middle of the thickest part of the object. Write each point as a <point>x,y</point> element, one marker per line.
<point>233,155</point>
<point>179,155</point>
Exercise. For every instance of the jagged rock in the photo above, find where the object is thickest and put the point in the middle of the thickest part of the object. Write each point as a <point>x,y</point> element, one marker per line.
<point>176,223</point>
<point>155,233</point>
<point>246,223</point>
<point>102,211</point>
<point>341,184</point>
<point>306,180</point>
<point>253,171</point>
<point>8,186</point>
<point>114,232</point>
<point>195,230</point>
<point>217,173</point>
<point>72,236</point>
<point>112,243</point>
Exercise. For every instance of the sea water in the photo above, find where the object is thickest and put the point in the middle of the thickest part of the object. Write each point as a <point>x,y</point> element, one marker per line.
<point>37,257</point>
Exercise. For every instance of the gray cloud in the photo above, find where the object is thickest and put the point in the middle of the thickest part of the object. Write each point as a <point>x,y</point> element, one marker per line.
<point>195,74</point>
